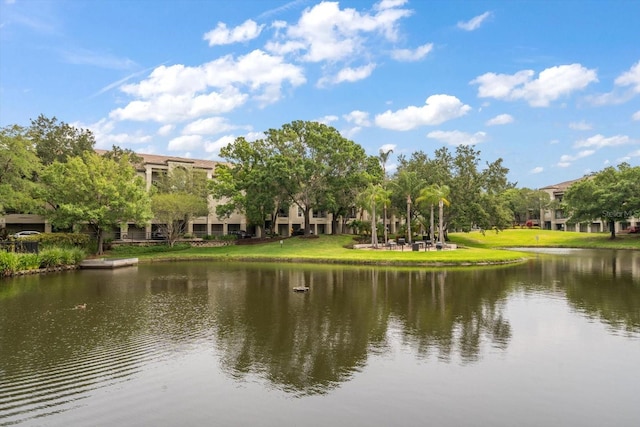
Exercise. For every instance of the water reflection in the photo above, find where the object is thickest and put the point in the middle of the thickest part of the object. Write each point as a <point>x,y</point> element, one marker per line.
<point>53,356</point>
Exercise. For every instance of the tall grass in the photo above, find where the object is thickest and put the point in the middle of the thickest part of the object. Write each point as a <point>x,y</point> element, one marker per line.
<point>11,262</point>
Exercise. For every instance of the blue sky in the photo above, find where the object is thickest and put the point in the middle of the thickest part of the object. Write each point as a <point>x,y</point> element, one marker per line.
<point>552,87</point>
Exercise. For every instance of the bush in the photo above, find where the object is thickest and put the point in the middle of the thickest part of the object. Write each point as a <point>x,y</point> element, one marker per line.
<point>28,261</point>
<point>8,263</point>
<point>51,257</point>
<point>64,239</point>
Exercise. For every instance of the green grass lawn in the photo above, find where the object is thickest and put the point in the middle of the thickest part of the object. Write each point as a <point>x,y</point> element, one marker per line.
<point>477,249</point>
<point>325,249</point>
<point>545,238</point>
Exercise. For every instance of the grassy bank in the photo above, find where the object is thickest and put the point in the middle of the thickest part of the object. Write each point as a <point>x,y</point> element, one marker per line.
<point>545,238</point>
<point>325,249</point>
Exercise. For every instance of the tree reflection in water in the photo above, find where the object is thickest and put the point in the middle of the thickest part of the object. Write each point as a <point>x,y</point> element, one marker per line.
<point>309,343</point>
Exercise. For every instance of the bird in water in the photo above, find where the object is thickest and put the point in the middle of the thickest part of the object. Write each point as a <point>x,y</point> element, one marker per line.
<point>81,306</point>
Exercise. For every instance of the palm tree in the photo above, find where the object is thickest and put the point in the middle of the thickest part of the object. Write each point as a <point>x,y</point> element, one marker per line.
<point>383,157</point>
<point>442,192</point>
<point>407,184</point>
<point>374,195</point>
<point>429,195</point>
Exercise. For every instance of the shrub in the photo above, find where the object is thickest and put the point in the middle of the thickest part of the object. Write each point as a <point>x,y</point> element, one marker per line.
<point>64,239</point>
<point>51,257</point>
<point>8,263</point>
<point>28,261</point>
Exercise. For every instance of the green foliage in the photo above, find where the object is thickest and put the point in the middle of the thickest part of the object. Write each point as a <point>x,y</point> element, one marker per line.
<point>28,262</point>
<point>19,164</point>
<point>58,141</point>
<point>9,262</point>
<point>96,191</point>
<point>611,195</point>
<point>307,164</point>
<point>134,250</point>
<point>63,239</point>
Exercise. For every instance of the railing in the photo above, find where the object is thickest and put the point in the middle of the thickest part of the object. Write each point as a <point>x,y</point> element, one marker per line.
<point>25,247</point>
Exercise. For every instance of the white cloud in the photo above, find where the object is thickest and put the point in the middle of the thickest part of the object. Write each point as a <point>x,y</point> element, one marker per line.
<point>176,93</point>
<point>348,74</point>
<point>630,78</point>
<point>165,130</point>
<point>97,59</point>
<point>106,138</point>
<point>254,136</point>
<point>537,169</point>
<point>175,108</point>
<point>326,120</point>
<point>474,23</point>
<point>566,159</point>
<point>408,55</point>
<point>351,132</point>
<point>550,85</point>
<point>634,153</point>
<point>215,146</point>
<point>325,32</point>
<point>221,35</point>
<point>437,109</point>
<point>501,119</point>
<point>599,141</point>
<point>582,125</point>
<point>458,138</point>
<point>636,115</point>
<point>360,118</point>
<point>208,126</point>
<point>185,142</point>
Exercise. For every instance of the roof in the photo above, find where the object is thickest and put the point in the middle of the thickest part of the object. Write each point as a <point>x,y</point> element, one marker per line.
<point>562,186</point>
<point>155,159</point>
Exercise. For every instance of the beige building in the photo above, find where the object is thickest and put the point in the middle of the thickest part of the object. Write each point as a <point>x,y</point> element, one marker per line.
<point>556,219</point>
<point>152,167</point>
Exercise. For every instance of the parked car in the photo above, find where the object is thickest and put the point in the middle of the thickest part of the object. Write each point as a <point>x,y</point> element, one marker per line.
<point>159,235</point>
<point>633,229</point>
<point>241,234</point>
<point>26,233</point>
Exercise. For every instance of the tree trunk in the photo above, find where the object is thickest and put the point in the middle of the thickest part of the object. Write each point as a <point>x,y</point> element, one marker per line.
<point>384,224</point>
<point>431,226</point>
<point>612,228</point>
<point>440,213</point>
<point>307,223</point>
<point>100,241</point>
<point>374,231</point>
<point>408,222</point>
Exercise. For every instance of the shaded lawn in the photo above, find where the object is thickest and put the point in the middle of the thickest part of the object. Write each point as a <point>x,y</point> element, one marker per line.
<point>325,248</point>
<point>545,238</point>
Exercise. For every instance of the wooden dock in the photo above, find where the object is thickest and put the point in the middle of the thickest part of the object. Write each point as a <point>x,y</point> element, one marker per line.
<point>101,263</point>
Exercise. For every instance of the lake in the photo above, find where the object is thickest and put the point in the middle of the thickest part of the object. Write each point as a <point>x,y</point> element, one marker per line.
<point>551,342</point>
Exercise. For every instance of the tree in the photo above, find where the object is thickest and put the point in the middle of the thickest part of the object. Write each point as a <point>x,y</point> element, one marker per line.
<point>307,164</point>
<point>383,156</point>
<point>253,183</point>
<point>19,164</point>
<point>375,195</point>
<point>406,187</point>
<point>59,141</point>
<point>431,195</point>
<point>525,203</point>
<point>95,191</point>
<point>181,195</point>
<point>610,195</point>
<point>314,155</point>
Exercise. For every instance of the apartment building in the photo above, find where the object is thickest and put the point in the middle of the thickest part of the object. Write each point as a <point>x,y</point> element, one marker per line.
<point>556,219</point>
<point>151,168</point>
